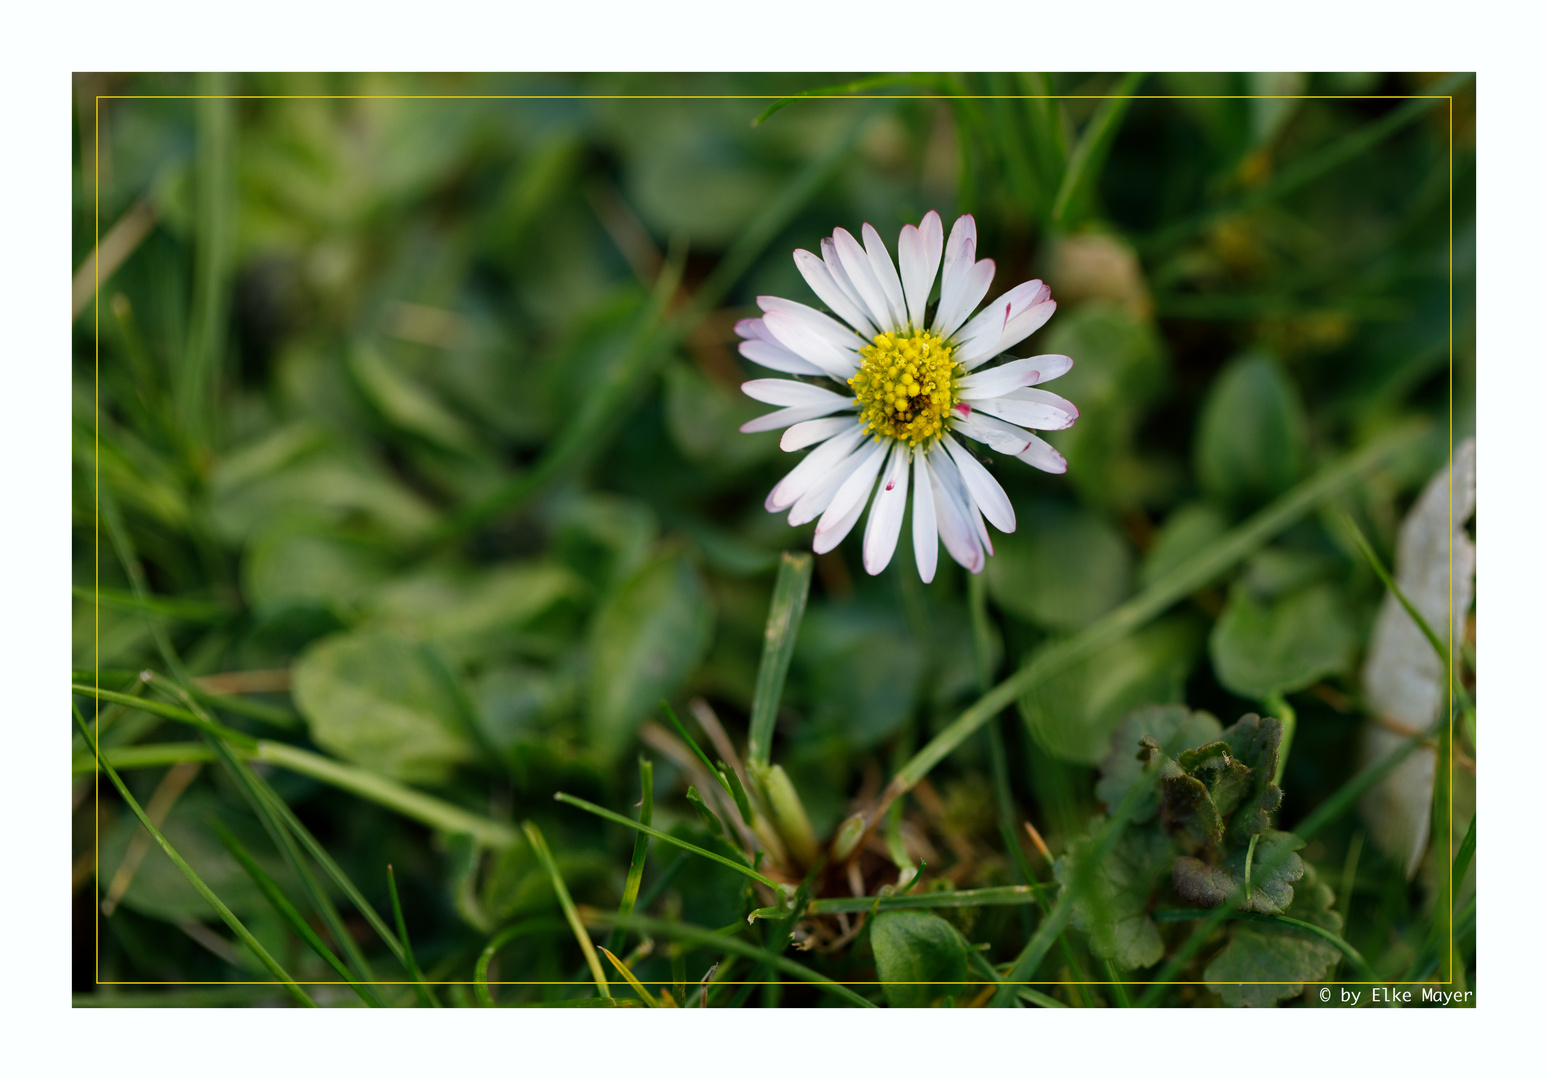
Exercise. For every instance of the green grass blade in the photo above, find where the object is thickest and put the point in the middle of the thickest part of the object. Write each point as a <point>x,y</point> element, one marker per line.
<point>791,587</point>
<point>856,86</point>
<point>481,988</point>
<point>993,896</point>
<point>1090,153</point>
<point>571,916</point>
<point>1313,166</point>
<point>631,889</point>
<point>1203,567</point>
<point>379,789</point>
<point>420,989</point>
<point>593,808</point>
<point>194,879</point>
<point>1054,922</point>
<point>1441,652</point>
<point>628,977</point>
<point>703,757</point>
<point>714,941</point>
<point>281,903</point>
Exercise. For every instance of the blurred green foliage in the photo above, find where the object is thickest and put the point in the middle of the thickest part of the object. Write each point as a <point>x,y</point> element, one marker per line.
<point>354,319</point>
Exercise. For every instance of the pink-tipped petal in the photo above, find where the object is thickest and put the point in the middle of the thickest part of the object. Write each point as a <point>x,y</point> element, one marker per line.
<point>951,514</point>
<point>771,354</point>
<point>1051,365</point>
<point>886,275</point>
<point>1032,408</point>
<point>882,527</point>
<point>969,286</point>
<point>825,327</point>
<point>797,335</point>
<point>1001,379</point>
<point>919,256</point>
<point>790,392</point>
<point>783,418</point>
<point>1040,455</point>
<point>999,436</point>
<point>984,489</point>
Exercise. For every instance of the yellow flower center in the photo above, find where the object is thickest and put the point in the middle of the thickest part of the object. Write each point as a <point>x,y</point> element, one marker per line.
<point>905,386</point>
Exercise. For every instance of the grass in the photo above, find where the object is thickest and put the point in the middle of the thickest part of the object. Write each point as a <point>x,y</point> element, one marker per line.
<point>420,611</point>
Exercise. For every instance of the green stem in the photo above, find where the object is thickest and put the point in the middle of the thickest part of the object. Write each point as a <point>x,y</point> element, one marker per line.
<point>637,860</point>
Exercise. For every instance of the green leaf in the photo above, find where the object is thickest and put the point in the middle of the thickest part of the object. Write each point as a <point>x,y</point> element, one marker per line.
<point>292,566</point>
<point>1074,713</point>
<point>405,404</point>
<point>1190,528</point>
<point>385,702</point>
<point>1263,647</point>
<point>1173,727</point>
<point>646,638</point>
<point>1267,962</point>
<point>1210,885</point>
<point>1113,907</point>
<point>472,614</point>
<point>1251,438</point>
<point>1063,569</point>
<point>914,950</point>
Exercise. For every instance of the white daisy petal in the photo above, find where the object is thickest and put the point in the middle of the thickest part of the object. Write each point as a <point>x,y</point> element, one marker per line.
<point>772,355</point>
<point>919,256</point>
<point>926,547</point>
<point>849,501</point>
<point>812,468</point>
<point>1019,312</point>
<point>1040,455</point>
<point>999,436</point>
<point>857,264</point>
<point>886,275</point>
<point>795,334</point>
<point>808,432</point>
<point>968,287</point>
<point>882,527</point>
<point>1036,409</point>
<point>961,252</point>
<point>1002,379</point>
<point>820,493</point>
<point>1051,365</point>
<point>840,276</point>
<point>790,392</point>
<point>956,532</point>
<point>783,418</point>
<point>825,327</point>
<point>900,425</point>
<point>1027,323</point>
<point>830,292</point>
<point>985,490</point>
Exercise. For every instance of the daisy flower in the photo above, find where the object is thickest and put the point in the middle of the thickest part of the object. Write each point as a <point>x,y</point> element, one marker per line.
<point>907,388</point>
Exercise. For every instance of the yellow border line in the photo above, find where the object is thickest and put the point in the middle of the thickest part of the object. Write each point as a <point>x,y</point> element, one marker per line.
<point>1451,242</point>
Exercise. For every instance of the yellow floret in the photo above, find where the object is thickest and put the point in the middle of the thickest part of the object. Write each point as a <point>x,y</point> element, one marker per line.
<point>906,386</point>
